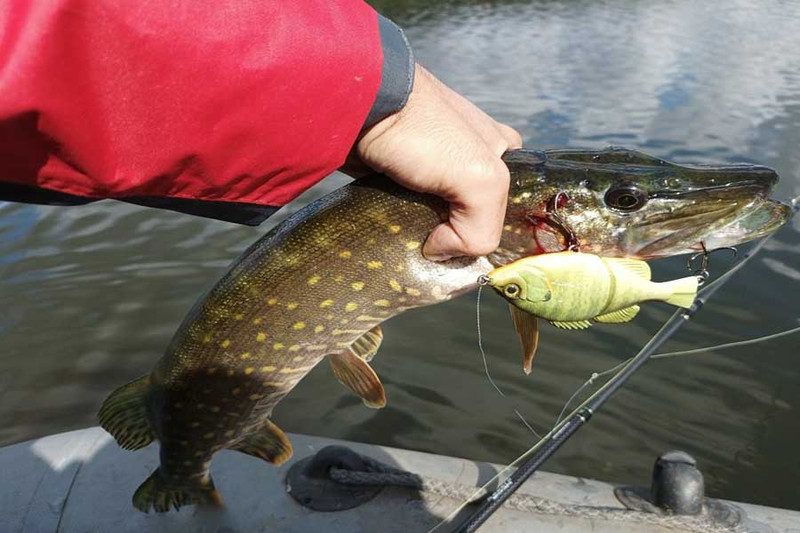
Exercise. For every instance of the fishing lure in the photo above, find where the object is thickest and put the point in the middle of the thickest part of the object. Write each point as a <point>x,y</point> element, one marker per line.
<point>571,288</point>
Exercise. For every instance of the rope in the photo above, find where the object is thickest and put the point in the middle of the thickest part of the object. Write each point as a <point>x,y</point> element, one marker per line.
<point>379,474</point>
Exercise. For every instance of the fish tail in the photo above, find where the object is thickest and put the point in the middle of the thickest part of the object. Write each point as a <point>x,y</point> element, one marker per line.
<point>124,415</point>
<point>160,495</point>
<point>683,290</point>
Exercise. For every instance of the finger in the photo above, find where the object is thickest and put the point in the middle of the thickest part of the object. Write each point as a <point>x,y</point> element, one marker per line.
<point>476,220</point>
<point>512,136</point>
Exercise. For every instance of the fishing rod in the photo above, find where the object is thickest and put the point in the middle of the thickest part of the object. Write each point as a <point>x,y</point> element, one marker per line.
<point>562,431</point>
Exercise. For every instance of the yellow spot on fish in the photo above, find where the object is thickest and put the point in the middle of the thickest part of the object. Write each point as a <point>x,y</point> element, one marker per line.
<point>412,245</point>
<point>517,231</point>
<point>315,347</point>
<point>298,325</point>
<point>255,396</point>
<point>382,303</point>
<point>225,343</point>
<point>214,409</point>
<point>399,268</point>
<point>526,195</point>
<point>293,370</point>
<point>292,305</point>
<point>238,316</point>
<point>319,329</point>
<point>209,435</point>
<point>245,355</point>
<point>351,306</point>
<point>338,278</point>
<point>345,254</point>
<point>357,286</point>
<point>507,227</point>
<point>194,425</point>
<point>412,292</point>
<point>231,372</point>
<point>211,371</point>
<point>294,347</point>
<point>313,280</point>
<point>298,358</point>
<point>257,321</point>
<point>249,370</point>
<point>329,317</point>
<point>516,199</point>
<point>374,264</point>
<point>272,301</point>
<point>261,337</point>
<point>402,299</point>
<point>269,368</point>
<point>326,303</point>
<point>206,338</point>
<point>395,285</point>
<point>367,318</point>
<point>273,383</point>
<point>394,228</point>
<point>236,391</point>
<point>277,346</point>
<point>229,433</point>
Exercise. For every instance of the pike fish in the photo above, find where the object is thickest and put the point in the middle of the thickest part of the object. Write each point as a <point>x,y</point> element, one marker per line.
<point>318,286</point>
<point>569,289</point>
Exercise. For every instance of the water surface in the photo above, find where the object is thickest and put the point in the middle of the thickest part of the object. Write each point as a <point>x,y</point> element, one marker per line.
<point>90,296</point>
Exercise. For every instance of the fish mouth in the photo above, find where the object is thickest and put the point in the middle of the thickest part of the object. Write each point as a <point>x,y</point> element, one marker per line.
<point>730,224</point>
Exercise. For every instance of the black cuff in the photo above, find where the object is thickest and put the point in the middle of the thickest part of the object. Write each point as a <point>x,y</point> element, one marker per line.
<point>397,76</point>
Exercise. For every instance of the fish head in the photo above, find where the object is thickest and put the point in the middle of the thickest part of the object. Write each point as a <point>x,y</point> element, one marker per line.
<point>624,203</point>
<point>523,285</point>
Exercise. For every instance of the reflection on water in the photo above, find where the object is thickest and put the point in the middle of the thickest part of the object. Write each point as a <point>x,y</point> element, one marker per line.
<point>90,296</point>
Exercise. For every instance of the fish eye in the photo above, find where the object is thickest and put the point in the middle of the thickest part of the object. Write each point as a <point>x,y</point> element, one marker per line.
<point>626,198</point>
<point>511,290</point>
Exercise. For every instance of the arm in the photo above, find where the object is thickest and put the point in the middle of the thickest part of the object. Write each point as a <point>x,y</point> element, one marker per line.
<point>249,102</point>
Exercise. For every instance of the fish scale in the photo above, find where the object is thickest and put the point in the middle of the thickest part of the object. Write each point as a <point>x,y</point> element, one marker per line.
<point>319,284</point>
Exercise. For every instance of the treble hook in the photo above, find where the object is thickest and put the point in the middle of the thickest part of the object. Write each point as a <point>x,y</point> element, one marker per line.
<point>553,218</point>
<point>705,259</point>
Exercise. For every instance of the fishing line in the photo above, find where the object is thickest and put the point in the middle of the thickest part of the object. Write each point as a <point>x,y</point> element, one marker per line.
<point>486,366</point>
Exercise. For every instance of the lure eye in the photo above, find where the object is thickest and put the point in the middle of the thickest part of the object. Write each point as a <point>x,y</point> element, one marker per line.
<point>511,290</point>
<point>625,198</point>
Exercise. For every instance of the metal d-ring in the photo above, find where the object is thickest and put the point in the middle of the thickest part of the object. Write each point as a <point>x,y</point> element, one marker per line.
<point>483,279</point>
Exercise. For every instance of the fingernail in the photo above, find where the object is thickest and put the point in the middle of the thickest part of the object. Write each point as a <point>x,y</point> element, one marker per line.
<point>437,257</point>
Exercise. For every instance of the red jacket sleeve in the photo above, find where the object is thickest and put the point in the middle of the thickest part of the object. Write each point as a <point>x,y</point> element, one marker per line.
<point>249,101</point>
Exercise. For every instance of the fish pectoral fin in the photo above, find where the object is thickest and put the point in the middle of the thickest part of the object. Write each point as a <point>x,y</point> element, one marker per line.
<point>155,493</point>
<point>366,346</point>
<point>268,442</point>
<point>619,316</point>
<point>124,415</point>
<point>577,324</point>
<point>635,266</point>
<point>527,327</point>
<point>356,374</point>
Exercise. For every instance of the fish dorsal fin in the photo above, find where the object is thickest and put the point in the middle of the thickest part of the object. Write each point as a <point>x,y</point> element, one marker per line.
<point>366,346</point>
<point>124,415</point>
<point>619,316</point>
<point>268,442</point>
<point>356,374</point>
<point>635,266</point>
<point>527,326</point>
<point>577,324</point>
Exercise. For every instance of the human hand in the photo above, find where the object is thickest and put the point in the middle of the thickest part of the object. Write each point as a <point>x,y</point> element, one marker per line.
<point>440,143</point>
